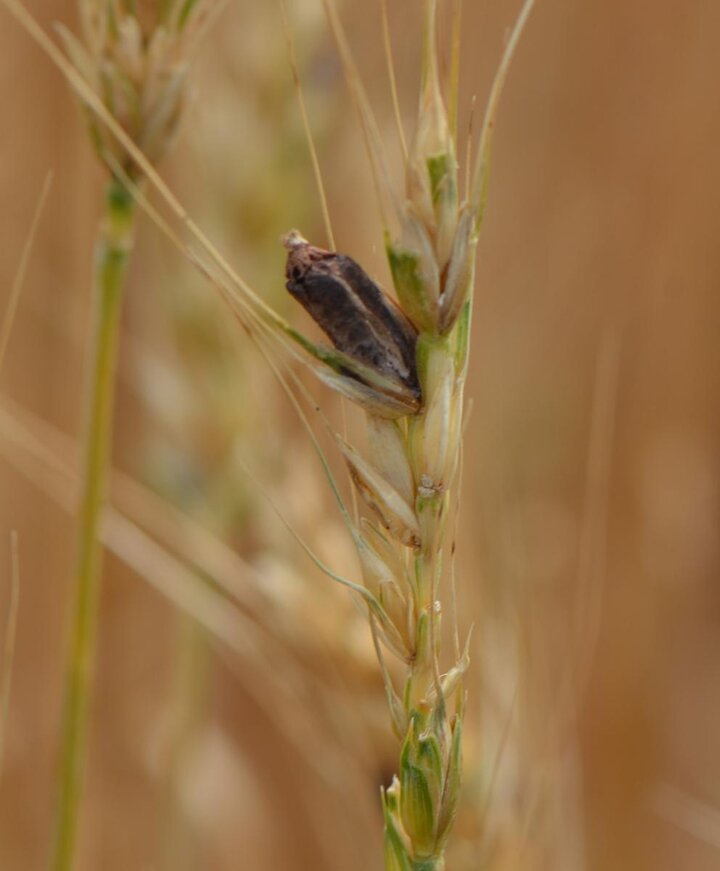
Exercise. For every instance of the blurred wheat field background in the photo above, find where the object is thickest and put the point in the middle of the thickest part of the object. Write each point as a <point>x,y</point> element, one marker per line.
<point>248,729</point>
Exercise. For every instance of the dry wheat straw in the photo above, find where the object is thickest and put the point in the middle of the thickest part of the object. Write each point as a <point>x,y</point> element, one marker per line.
<point>129,531</point>
<point>6,666</point>
<point>8,321</point>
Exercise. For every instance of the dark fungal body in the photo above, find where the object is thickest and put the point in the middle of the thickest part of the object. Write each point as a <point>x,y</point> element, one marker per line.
<point>353,311</point>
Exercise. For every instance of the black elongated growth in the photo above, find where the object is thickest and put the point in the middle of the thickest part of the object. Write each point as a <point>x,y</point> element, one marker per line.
<point>352,310</point>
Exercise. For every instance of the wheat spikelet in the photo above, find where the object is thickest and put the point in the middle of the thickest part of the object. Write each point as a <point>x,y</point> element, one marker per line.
<point>136,59</point>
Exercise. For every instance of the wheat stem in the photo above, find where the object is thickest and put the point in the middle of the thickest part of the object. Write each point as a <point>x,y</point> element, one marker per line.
<point>114,245</point>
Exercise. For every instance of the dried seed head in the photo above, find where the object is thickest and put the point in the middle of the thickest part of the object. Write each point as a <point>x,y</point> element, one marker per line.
<point>135,57</point>
<point>435,438</point>
<point>378,541</point>
<point>396,607</point>
<point>394,512</point>
<point>387,450</point>
<point>432,165</point>
<point>421,260</point>
<point>352,310</point>
<point>391,554</point>
<point>358,384</point>
<point>374,570</point>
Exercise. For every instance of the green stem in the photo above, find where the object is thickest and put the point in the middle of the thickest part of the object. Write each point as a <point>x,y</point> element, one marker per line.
<point>113,250</point>
<point>434,864</point>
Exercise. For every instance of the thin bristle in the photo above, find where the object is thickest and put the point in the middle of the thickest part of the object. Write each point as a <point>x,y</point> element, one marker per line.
<point>317,172</point>
<point>19,279</point>
<point>454,84</point>
<point>481,173</point>
<point>387,43</point>
<point>374,146</point>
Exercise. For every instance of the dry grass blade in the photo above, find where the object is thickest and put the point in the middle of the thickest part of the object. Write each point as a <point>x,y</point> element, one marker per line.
<point>325,569</point>
<point>271,685</point>
<point>592,547</point>
<point>306,126</point>
<point>18,281</point>
<point>481,173</point>
<point>592,557</point>
<point>373,140</point>
<point>175,530</point>
<point>688,812</point>
<point>454,88</point>
<point>6,668</point>
<point>387,43</point>
<point>260,653</point>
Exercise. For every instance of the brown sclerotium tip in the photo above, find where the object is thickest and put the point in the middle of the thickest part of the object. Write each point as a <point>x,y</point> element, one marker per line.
<point>301,256</point>
<point>293,239</point>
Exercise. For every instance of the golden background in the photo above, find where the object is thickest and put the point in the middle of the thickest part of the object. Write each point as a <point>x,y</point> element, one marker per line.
<point>252,734</point>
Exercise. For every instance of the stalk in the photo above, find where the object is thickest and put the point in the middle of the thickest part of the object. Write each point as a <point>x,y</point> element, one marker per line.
<point>137,66</point>
<point>419,819</point>
<point>115,240</point>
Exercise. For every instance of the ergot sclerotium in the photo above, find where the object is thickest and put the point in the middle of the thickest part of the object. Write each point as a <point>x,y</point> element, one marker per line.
<point>352,310</point>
